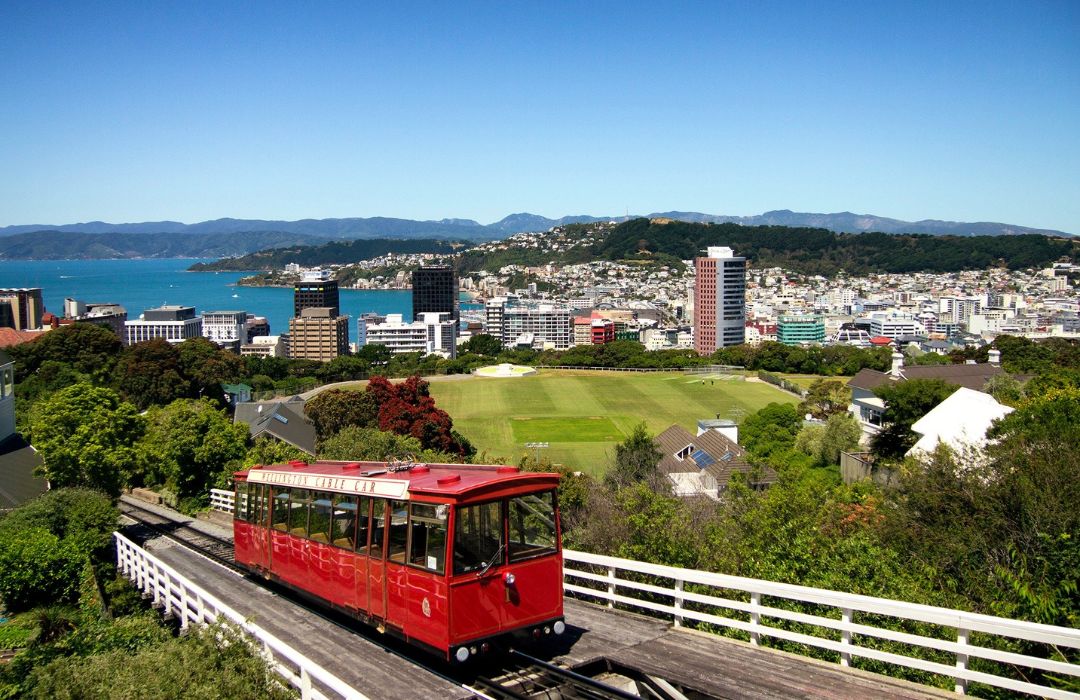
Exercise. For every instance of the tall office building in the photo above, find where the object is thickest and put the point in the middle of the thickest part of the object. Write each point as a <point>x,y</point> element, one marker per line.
<point>316,291</point>
<point>318,333</point>
<point>719,300</point>
<point>434,290</point>
<point>21,308</point>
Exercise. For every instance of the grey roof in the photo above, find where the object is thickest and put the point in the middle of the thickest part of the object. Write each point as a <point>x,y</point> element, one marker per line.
<point>714,454</point>
<point>968,376</point>
<point>18,484</point>
<point>284,421</point>
<point>251,411</point>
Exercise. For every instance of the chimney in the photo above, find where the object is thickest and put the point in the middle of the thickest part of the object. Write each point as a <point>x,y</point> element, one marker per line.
<point>995,356</point>
<point>897,364</point>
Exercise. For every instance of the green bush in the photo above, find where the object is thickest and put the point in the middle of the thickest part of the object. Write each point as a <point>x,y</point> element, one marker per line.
<point>214,662</point>
<point>38,568</point>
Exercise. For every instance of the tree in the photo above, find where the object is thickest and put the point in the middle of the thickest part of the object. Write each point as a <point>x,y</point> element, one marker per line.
<point>482,344</point>
<point>905,403</point>
<point>825,442</point>
<point>335,409</point>
<point>1005,389</point>
<point>86,437</point>
<point>344,368</point>
<point>268,450</point>
<point>770,429</point>
<point>636,459</point>
<point>83,516</point>
<point>150,374</point>
<point>407,408</point>
<point>189,447</point>
<point>826,397</point>
<point>354,443</point>
<point>842,434</point>
<point>207,367</point>
<point>87,348</point>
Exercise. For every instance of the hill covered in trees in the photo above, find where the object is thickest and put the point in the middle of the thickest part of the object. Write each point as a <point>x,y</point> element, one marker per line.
<point>337,252</point>
<point>818,251</point>
<point>63,245</point>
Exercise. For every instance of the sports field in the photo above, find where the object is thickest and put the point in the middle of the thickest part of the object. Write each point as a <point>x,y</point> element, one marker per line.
<point>582,415</point>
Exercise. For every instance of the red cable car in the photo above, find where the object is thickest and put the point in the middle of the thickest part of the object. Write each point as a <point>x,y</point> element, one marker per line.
<point>452,557</point>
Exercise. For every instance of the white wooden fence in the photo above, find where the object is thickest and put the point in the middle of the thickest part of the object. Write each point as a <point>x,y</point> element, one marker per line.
<point>191,604</point>
<point>666,591</point>
<point>221,500</point>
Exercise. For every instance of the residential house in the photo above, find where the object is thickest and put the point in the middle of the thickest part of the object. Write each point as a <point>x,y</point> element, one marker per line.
<point>703,465</point>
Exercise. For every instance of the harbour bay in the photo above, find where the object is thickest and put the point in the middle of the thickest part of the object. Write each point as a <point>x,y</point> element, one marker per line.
<point>140,284</point>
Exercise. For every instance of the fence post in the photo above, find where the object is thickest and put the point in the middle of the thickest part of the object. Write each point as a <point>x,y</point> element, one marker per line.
<point>678,602</point>
<point>755,618</point>
<point>611,587</point>
<point>845,636</point>
<point>961,660</point>
<point>305,684</point>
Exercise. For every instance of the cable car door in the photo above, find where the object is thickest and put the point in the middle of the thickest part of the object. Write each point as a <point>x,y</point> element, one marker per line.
<point>376,562</point>
<point>395,584</point>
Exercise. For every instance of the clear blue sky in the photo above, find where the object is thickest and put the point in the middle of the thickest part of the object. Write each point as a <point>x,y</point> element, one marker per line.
<point>148,111</point>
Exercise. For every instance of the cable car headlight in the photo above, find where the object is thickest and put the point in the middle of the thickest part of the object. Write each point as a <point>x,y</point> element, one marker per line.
<point>462,654</point>
<point>559,627</point>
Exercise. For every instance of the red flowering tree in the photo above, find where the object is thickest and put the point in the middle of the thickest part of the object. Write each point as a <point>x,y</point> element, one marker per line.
<point>408,409</point>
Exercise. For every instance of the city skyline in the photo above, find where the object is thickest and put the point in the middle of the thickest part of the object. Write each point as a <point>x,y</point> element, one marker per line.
<point>966,112</point>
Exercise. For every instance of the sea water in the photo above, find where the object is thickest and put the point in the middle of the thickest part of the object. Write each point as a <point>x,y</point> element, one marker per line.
<point>141,284</point>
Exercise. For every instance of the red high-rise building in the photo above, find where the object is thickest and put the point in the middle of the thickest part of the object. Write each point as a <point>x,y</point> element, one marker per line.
<point>719,300</point>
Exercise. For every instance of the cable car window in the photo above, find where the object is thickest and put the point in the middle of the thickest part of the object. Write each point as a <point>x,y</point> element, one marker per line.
<point>362,525</point>
<point>254,498</point>
<point>247,506</point>
<point>399,530</point>
<point>478,537</point>
<point>319,519</point>
<point>298,511</point>
<point>378,528</point>
<point>532,525</point>
<point>262,504</point>
<point>427,536</point>
<point>281,511</point>
<point>344,523</point>
<point>240,501</point>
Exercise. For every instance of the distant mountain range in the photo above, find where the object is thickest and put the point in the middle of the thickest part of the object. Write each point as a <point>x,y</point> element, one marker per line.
<point>384,227</point>
<point>222,238</point>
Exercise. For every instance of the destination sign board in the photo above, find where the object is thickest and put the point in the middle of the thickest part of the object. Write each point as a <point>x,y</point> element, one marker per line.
<point>385,488</point>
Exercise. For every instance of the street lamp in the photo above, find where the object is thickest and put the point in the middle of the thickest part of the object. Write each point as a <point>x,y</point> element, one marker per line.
<point>537,446</point>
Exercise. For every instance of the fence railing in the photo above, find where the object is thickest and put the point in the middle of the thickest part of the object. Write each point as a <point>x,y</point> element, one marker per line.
<point>221,500</point>
<point>189,603</point>
<point>668,592</point>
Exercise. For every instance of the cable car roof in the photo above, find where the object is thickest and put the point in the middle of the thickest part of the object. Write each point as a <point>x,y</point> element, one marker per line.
<point>395,479</point>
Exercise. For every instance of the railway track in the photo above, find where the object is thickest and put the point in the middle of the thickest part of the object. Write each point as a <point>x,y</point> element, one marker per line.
<point>518,676</point>
<point>526,678</point>
<point>214,548</point>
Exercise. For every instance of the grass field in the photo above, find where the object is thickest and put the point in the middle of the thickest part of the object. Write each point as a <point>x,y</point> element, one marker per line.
<point>582,415</point>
